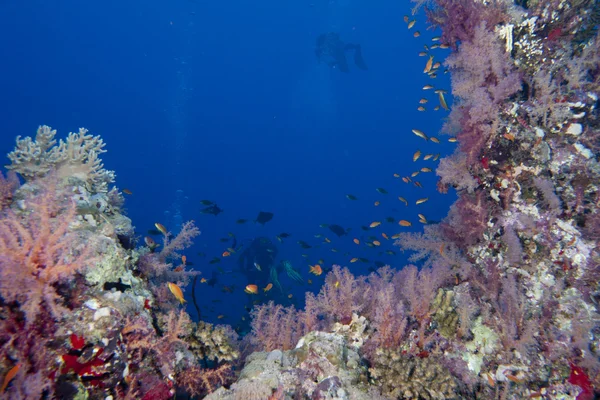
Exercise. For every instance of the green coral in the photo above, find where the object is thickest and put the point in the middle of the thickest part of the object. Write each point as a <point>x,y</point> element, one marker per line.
<point>444,313</point>
<point>404,377</point>
<point>213,342</point>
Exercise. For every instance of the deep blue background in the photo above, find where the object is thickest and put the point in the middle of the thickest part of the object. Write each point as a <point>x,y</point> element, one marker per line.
<point>226,101</point>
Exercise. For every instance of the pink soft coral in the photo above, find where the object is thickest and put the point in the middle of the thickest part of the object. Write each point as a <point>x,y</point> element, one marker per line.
<point>37,252</point>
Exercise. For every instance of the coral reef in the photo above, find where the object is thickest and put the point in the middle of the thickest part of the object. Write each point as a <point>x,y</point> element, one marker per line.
<point>79,312</point>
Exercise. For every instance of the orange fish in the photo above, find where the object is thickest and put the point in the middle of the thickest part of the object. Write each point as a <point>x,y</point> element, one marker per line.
<point>268,287</point>
<point>355,259</point>
<point>428,65</point>
<point>404,222</point>
<point>221,316</point>
<point>226,254</point>
<point>203,280</point>
<point>356,241</point>
<point>376,242</point>
<point>290,296</point>
<point>183,259</point>
<point>127,191</point>
<point>176,290</point>
<point>10,375</point>
<point>385,236</point>
<point>315,269</point>
<point>374,224</point>
<point>376,203</point>
<point>251,289</point>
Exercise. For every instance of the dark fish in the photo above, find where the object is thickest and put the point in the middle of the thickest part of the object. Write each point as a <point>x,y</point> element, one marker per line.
<point>241,221</point>
<point>379,264</point>
<point>338,230</point>
<point>214,210</point>
<point>201,254</point>
<point>390,219</point>
<point>153,232</point>
<point>213,280</point>
<point>223,240</point>
<point>120,286</point>
<point>215,260</point>
<point>365,228</point>
<point>284,235</point>
<point>264,217</point>
<point>363,260</point>
<point>206,202</point>
<point>382,190</point>
<point>351,197</point>
<point>304,245</point>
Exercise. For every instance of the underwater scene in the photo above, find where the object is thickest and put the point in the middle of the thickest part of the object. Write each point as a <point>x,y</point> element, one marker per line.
<point>317,199</point>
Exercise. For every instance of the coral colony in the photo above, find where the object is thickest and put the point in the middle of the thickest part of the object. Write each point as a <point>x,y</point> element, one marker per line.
<point>504,304</point>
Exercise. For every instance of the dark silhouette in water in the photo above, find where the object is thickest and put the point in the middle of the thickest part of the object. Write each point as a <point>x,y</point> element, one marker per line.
<point>257,262</point>
<point>332,50</point>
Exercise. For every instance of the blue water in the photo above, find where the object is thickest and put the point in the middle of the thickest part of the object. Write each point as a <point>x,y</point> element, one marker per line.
<point>226,101</point>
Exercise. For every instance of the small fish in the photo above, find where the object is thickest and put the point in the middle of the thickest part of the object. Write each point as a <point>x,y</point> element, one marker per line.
<point>323,225</point>
<point>315,269</point>
<point>353,260</point>
<point>426,47</point>
<point>382,190</point>
<point>442,99</point>
<point>404,222</point>
<point>435,140</point>
<point>10,375</point>
<point>376,242</point>
<point>436,65</point>
<point>251,289</point>
<point>416,155</point>
<point>206,202</point>
<point>336,284</point>
<point>203,280</point>
<point>338,230</point>
<point>436,157</point>
<point>406,179</point>
<point>268,287</point>
<point>374,224</point>
<point>411,23</point>
<point>416,34</point>
<point>436,108</point>
<point>396,236</point>
<point>427,87</point>
<point>418,184</point>
<point>406,19</point>
<point>390,219</point>
<point>376,203</point>
<point>221,316</point>
<point>176,290</point>
<point>434,46</point>
<point>420,108</point>
<point>396,176</point>
<point>303,244</point>
<point>428,65</point>
<point>351,197</point>
<point>212,209</point>
<point>436,38</point>
<point>423,53</point>
<point>326,240</point>
<point>390,252</point>
<point>423,200</point>
<point>421,216</point>
<point>263,217</point>
<point>215,260</point>
<point>385,236</point>
<point>427,156</point>
<point>241,221</point>
<point>290,296</point>
<point>415,174</point>
<point>444,45</point>
<point>356,241</point>
<point>183,259</point>
<point>420,134</point>
<point>402,199</point>
<point>127,191</point>
<point>423,100</point>
<point>161,228</point>
<point>309,281</point>
<point>425,169</point>
<point>334,250</point>
<point>257,266</point>
<point>226,254</point>
<point>509,136</point>
<point>150,243</point>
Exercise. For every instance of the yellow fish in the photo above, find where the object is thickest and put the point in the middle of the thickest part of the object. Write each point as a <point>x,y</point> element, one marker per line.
<point>268,287</point>
<point>416,155</point>
<point>374,224</point>
<point>161,228</point>
<point>420,134</point>
<point>176,290</point>
<point>251,289</point>
<point>355,259</point>
<point>428,65</point>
